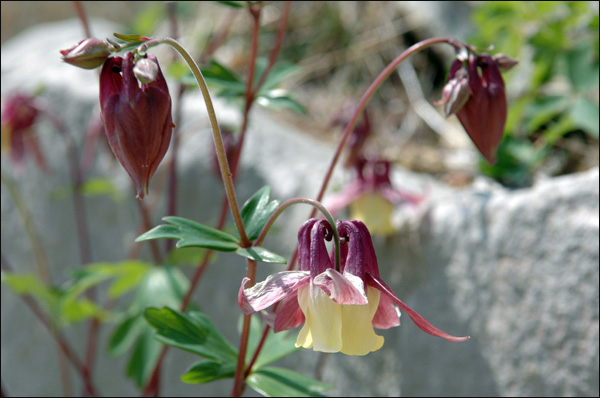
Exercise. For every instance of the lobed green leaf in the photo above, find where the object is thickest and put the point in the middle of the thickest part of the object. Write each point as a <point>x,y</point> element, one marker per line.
<point>191,234</point>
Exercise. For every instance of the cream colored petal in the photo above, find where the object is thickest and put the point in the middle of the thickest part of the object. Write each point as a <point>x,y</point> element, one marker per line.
<point>358,335</point>
<point>375,211</point>
<point>323,320</point>
<point>304,338</point>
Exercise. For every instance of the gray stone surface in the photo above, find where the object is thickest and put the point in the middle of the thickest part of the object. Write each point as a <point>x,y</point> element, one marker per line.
<point>516,270</point>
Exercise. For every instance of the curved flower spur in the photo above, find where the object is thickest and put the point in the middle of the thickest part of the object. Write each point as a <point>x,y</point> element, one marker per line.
<point>339,308</point>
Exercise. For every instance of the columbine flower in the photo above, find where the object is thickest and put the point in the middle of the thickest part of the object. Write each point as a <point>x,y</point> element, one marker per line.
<point>339,309</point>
<point>137,118</point>
<point>19,113</point>
<point>371,196</point>
<point>481,111</point>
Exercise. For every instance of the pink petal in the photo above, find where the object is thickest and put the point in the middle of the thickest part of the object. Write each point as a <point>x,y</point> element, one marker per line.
<point>421,322</point>
<point>271,290</point>
<point>289,314</point>
<point>342,289</point>
<point>339,201</point>
<point>387,315</point>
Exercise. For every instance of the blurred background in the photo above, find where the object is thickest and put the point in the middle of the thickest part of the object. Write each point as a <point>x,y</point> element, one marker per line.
<point>340,47</point>
<point>514,265</point>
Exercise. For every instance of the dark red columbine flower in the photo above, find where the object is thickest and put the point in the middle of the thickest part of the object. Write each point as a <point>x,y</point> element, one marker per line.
<point>19,112</point>
<point>137,118</point>
<point>339,308</point>
<point>481,110</point>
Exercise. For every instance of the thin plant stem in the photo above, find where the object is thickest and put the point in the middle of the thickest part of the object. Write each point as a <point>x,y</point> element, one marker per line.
<point>255,13</point>
<point>277,46</point>
<point>83,18</point>
<point>172,165</point>
<point>251,93</point>
<point>239,380</point>
<point>218,139</point>
<point>147,223</point>
<point>317,206</point>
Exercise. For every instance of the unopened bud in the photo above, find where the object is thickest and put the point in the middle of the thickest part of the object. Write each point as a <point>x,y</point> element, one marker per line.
<point>504,62</point>
<point>145,70</point>
<point>87,54</point>
<point>456,93</point>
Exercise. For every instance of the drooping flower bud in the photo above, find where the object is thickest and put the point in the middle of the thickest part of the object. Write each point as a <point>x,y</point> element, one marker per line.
<point>483,114</point>
<point>137,118</point>
<point>87,54</point>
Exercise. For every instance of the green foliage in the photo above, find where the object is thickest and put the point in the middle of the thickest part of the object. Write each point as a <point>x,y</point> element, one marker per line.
<point>279,382</point>
<point>234,4</point>
<point>190,233</point>
<point>159,286</point>
<point>556,44</point>
<point>207,371</point>
<point>258,253</point>
<point>257,210</point>
<point>186,256</point>
<point>255,214</point>
<point>63,305</point>
<point>195,333</point>
<point>228,85</point>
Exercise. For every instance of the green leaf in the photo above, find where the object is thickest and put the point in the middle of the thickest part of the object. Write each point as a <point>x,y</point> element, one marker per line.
<point>224,80</point>
<point>129,38</point>
<point>545,109</point>
<point>260,254</point>
<point>79,310</point>
<point>159,286</point>
<point>277,74</point>
<point>257,210</point>
<point>279,382</point>
<point>585,115</point>
<point>194,334</point>
<point>279,99</point>
<point>190,233</point>
<point>234,4</point>
<point>62,306</point>
<point>144,358</point>
<point>186,256</point>
<point>29,283</point>
<point>126,276</point>
<point>581,67</point>
<point>207,371</point>
<point>126,334</point>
